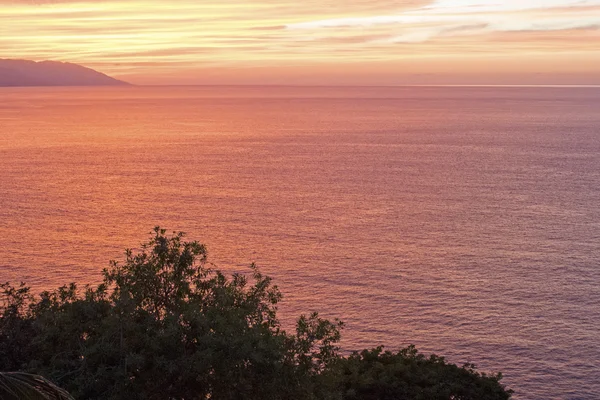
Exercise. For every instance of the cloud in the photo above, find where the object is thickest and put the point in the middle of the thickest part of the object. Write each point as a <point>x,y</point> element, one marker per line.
<point>147,34</point>
<point>479,6</point>
<point>467,17</point>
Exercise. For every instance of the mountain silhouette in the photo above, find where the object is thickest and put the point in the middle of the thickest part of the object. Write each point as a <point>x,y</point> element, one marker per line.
<point>51,73</point>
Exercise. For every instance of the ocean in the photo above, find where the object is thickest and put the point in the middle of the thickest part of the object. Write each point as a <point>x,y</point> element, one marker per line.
<point>464,220</point>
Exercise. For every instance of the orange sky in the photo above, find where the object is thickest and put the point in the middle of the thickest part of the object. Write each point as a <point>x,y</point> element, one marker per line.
<point>313,41</point>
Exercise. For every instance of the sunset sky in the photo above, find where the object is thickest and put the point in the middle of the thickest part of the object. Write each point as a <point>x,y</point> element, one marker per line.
<point>313,41</point>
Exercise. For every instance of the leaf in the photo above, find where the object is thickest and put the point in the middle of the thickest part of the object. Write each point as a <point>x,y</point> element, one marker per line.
<point>22,386</point>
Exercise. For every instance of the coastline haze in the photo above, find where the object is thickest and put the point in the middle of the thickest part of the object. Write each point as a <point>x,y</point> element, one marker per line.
<point>19,73</point>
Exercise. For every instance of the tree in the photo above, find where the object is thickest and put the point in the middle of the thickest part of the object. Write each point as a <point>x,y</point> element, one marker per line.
<point>382,375</point>
<point>165,325</point>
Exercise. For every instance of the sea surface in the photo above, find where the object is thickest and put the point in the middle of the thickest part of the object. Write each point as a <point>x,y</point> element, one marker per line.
<point>463,220</point>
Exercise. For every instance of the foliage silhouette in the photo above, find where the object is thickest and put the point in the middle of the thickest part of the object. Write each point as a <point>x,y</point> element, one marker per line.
<point>378,375</point>
<point>165,325</point>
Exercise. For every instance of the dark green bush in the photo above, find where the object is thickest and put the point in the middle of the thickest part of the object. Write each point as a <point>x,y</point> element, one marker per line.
<point>164,325</point>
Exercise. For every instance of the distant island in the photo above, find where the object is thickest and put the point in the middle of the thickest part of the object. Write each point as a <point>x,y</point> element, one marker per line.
<point>51,73</point>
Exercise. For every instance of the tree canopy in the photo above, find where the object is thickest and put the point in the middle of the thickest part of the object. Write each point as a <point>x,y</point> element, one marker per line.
<point>163,324</point>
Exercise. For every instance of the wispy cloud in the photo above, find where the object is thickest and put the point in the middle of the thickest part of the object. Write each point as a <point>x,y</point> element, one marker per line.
<point>146,36</point>
<point>446,15</point>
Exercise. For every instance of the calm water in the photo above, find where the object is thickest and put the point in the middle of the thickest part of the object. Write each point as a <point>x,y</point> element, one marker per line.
<point>463,220</point>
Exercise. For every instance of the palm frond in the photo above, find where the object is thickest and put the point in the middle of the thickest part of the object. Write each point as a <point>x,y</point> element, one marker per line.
<point>22,386</point>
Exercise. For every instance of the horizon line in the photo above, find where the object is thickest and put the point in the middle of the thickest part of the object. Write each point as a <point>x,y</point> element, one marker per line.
<point>499,86</point>
<point>593,85</point>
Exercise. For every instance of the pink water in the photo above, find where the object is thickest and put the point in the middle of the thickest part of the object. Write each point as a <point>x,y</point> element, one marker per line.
<point>463,220</point>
